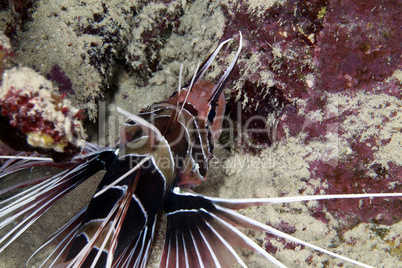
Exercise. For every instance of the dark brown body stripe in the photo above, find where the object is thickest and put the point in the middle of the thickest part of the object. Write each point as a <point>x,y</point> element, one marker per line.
<point>190,153</point>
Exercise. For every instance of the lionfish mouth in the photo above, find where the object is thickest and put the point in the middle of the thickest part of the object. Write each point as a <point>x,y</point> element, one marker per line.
<point>117,227</point>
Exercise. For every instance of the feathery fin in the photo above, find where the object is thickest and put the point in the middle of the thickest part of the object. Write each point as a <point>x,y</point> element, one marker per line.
<point>206,226</point>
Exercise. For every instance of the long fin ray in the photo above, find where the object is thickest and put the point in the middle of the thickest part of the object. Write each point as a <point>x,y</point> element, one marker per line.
<point>62,239</point>
<point>26,207</point>
<point>250,202</point>
<point>250,223</point>
<point>136,255</point>
<point>209,238</point>
<point>219,217</point>
<point>225,77</point>
<point>205,64</point>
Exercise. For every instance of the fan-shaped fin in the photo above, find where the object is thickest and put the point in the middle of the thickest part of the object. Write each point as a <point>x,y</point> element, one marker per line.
<point>24,208</point>
<point>195,238</point>
<point>137,253</point>
<point>201,230</point>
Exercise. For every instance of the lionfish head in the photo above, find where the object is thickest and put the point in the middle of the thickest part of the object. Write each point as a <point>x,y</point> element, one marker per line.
<point>205,98</point>
<point>209,112</point>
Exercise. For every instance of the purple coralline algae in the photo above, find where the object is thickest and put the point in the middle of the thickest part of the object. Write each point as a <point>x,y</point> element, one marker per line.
<point>305,49</point>
<point>328,74</point>
<point>59,76</point>
<point>359,45</point>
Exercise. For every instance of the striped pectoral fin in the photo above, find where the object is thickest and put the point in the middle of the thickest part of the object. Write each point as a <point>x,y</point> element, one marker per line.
<point>21,210</point>
<point>72,241</point>
<point>93,245</point>
<point>58,245</point>
<point>99,240</point>
<point>137,253</point>
<point>120,211</point>
<point>200,233</point>
<point>195,237</point>
<point>206,225</point>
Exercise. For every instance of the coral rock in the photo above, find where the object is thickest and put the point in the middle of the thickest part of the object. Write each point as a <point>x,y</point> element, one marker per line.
<point>36,117</point>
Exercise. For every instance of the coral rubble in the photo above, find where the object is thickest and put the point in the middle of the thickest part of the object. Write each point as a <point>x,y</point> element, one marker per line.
<point>35,117</point>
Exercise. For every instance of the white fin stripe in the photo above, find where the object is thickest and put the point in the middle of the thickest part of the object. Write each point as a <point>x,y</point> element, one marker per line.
<point>179,86</point>
<point>197,251</point>
<point>122,177</point>
<point>147,250</point>
<point>248,241</point>
<point>21,202</point>
<point>122,188</point>
<point>72,237</point>
<point>288,199</point>
<point>189,88</point>
<point>32,191</point>
<point>227,245</point>
<point>212,57</point>
<point>169,246</point>
<point>61,252</point>
<point>229,69</point>
<point>64,227</point>
<point>141,207</point>
<point>185,251</point>
<point>285,199</point>
<point>177,252</point>
<point>205,154</point>
<point>31,218</point>
<point>131,254</point>
<point>17,231</point>
<point>143,234</point>
<point>210,249</point>
<point>102,247</point>
<point>36,158</point>
<point>182,210</point>
<point>79,259</point>
<point>276,232</point>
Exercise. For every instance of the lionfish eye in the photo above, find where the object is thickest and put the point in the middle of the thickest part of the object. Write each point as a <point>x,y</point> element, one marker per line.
<point>211,116</point>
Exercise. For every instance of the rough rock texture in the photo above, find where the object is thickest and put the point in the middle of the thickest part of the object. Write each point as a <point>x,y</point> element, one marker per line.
<point>5,52</point>
<point>314,106</point>
<point>75,44</point>
<point>34,117</point>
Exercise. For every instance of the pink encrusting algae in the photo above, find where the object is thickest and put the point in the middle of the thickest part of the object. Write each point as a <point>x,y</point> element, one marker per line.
<point>36,117</point>
<point>309,58</point>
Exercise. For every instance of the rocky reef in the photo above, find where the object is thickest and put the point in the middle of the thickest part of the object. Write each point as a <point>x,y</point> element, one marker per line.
<point>315,101</point>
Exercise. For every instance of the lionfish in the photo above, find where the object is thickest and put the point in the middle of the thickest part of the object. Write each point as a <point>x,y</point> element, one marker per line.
<point>162,153</point>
